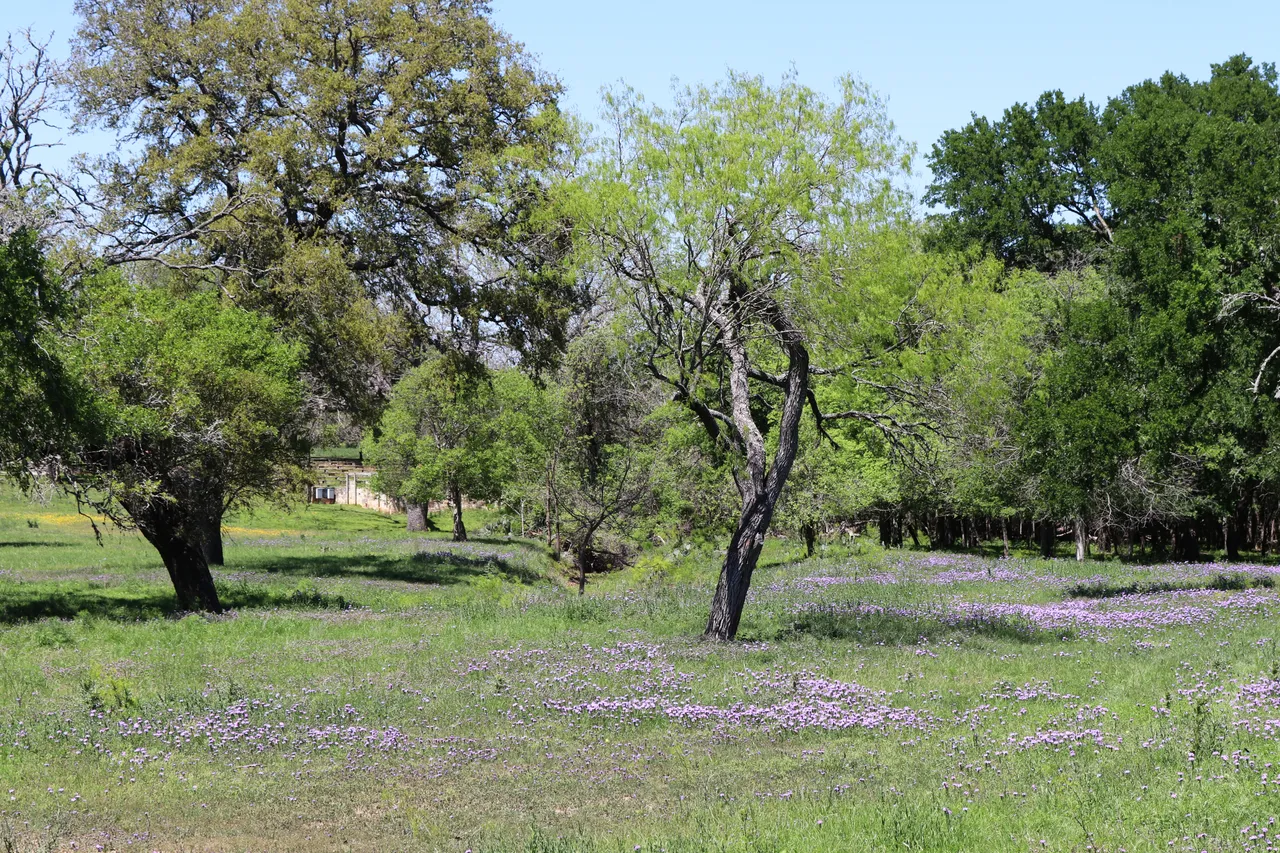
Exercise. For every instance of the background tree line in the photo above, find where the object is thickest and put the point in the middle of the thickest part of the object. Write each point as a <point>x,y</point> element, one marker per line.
<point>722,319</point>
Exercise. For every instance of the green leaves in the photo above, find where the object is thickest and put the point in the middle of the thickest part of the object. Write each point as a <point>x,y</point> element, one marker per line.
<point>442,428</point>
<point>39,402</point>
<point>336,163</point>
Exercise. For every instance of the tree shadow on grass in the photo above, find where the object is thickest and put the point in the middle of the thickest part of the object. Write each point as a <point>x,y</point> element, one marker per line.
<point>37,544</point>
<point>893,628</point>
<point>424,567</point>
<point>18,605</point>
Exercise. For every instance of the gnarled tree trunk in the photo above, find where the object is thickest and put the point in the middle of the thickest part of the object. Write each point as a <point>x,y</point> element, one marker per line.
<point>177,534</point>
<point>762,484</point>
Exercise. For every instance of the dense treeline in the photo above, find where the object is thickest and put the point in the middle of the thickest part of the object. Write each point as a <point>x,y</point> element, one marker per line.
<point>724,319</point>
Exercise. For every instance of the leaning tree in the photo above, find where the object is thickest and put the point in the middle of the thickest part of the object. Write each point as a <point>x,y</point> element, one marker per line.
<point>745,228</point>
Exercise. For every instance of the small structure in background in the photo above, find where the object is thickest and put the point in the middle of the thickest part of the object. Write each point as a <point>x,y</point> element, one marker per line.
<point>345,480</point>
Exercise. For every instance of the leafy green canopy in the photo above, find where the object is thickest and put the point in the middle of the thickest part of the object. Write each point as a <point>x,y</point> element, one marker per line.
<point>443,429</point>
<point>38,403</point>
<point>191,397</point>
<point>1169,191</point>
<point>333,163</point>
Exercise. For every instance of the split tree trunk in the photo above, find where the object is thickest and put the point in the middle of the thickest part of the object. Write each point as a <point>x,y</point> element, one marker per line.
<point>809,532</point>
<point>761,487</point>
<point>455,498</point>
<point>415,517</point>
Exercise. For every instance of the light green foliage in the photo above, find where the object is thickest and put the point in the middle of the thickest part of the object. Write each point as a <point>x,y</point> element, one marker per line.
<point>778,184</point>
<point>192,397</point>
<point>444,429</point>
<point>353,168</point>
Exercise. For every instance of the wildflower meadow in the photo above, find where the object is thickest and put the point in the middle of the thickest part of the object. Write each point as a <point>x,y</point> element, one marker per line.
<point>372,690</point>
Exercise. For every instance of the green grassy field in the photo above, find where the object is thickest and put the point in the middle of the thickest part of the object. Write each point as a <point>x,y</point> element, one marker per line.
<point>376,690</point>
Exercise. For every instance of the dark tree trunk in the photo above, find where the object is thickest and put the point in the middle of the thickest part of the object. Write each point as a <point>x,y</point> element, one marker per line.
<point>177,536</point>
<point>415,517</point>
<point>211,538</point>
<point>585,554</point>
<point>1232,536</point>
<point>735,575</point>
<point>809,532</point>
<point>1187,544</point>
<point>1048,538</point>
<point>455,498</point>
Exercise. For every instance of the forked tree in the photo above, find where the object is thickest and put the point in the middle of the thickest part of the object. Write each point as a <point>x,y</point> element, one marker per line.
<point>739,226</point>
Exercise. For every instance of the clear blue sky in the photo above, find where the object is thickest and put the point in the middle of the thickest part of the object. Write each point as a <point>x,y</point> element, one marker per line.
<point>935,62</point>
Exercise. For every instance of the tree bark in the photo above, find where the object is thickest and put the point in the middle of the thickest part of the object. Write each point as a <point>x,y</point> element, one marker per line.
<point>455,498</point>
<point>809,532</point>
<point>762,484</point>
<point>1048,538</point>
<point>1082,540</point>
<point>1232,536</point>
<point>415,517</point>
<point>735,575</point>
<point>211,536</point>
<point>584,555</point>
<point>174,532</point>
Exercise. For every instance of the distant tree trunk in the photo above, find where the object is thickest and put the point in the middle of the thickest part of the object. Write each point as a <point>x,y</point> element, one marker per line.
<point>1186,543</point>
<point>551,473</point>
<point>915,535</point>
<point>1004,534</point>
<point>584,554</point>
<point>455,498</point>
<point>1082,540</point>
<point>809,532</point>
<point>1048,538</point>
<point>415,517</point>
<point>1231,535</point>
